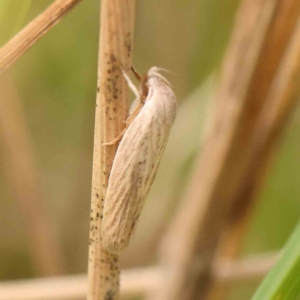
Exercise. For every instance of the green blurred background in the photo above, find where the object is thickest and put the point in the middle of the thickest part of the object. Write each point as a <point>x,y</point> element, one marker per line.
<point>55,82</point>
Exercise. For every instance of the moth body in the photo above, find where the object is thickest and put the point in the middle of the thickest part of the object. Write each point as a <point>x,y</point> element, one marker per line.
<point>136,162</point>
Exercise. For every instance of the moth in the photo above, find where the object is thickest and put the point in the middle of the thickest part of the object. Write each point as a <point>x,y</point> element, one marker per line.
<point>137,158</point>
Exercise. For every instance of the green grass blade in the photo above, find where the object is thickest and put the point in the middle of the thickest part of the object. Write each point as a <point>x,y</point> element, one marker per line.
<point>283,281</point>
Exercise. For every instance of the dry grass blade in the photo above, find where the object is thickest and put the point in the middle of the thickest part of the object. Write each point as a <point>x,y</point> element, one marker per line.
<point>116,33</point>
<point>260,55</point>
<point>20,43</point>
<point>278,107</point>
<point>135,282</point>
<point>248,270</point>
<point>23,180</point>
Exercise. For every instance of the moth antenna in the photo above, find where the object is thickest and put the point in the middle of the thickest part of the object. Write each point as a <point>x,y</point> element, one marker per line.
<point>155,71</point>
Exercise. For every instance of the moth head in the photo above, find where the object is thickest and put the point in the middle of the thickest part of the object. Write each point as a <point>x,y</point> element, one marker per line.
<point>144,81</point>
<point>154,71</point>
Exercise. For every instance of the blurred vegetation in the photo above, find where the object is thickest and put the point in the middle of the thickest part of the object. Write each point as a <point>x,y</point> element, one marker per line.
<point>56,84</point>
<point>282,282</point>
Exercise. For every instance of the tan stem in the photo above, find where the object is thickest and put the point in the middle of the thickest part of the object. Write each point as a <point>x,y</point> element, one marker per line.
<point>277,111</point>
<point>115,48</point>
<point>27,37</point>
<point>135,282</point>
<point>259,77</point>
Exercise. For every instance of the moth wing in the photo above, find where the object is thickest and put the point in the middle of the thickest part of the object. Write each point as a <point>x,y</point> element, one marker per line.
<point>157,141</point>
<point>134,169</point>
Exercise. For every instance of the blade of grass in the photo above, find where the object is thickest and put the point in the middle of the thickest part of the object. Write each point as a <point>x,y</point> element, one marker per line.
<point>278,109</point>
<point>36,29</point>
<point>136,283</point>
<point>283,281</point>
<point>246,126</point>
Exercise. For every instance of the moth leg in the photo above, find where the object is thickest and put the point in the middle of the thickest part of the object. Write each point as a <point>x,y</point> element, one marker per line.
<point>134,113</point>
<point>130,84</point>
<point>127,122</point>
<point>117,139</point>
<point>137,103</point>
<point>136,108</point>
<point>136,74</point>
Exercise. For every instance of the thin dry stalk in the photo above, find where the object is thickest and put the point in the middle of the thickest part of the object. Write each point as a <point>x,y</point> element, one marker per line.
<point>228,248</point>
<point>278,108</point>
<point>116,33</point>
<point>135,282</point>
<point>259,54</point>
<point>241,271</point>
<point>21,42</point>
<point>22,175</point>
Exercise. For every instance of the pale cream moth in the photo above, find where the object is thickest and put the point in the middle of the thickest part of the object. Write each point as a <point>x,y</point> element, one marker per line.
<point>137,159</point>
